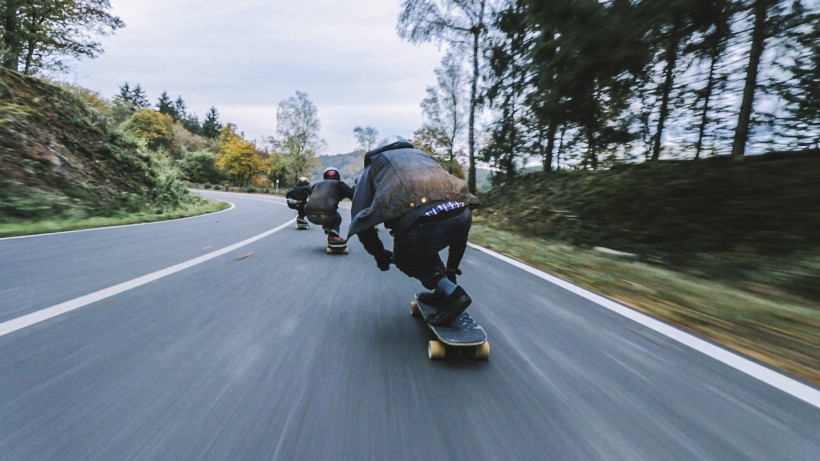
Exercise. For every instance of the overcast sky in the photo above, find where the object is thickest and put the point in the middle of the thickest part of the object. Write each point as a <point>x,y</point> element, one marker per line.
<point>245,56</point>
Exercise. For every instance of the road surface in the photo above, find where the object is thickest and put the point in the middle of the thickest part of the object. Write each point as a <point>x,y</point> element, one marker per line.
<point>234,336</point>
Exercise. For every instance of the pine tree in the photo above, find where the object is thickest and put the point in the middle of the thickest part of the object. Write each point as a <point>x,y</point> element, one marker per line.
<point>166,106</point>
<point>211,126</point>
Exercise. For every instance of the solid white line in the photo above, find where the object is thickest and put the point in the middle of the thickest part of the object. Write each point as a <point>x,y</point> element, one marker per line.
<point>788,385</point>
<point>18,323</point>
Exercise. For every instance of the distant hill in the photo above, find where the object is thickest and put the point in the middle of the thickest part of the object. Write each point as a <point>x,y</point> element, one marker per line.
<point>349,165</point>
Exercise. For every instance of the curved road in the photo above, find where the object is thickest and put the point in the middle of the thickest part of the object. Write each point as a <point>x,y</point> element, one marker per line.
<point>234,336</point>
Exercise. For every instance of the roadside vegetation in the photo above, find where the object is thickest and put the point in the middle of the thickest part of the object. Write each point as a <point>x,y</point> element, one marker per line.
<point>726,249</point>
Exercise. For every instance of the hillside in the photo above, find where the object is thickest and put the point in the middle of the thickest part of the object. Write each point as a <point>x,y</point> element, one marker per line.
<point>61,158</point>
<point>752,221</point>
<point>349,165</point>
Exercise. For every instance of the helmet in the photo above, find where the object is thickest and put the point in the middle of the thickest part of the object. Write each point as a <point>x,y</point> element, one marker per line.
<point>331,173</point>
<point>302,181</point>
<point>393,140</point>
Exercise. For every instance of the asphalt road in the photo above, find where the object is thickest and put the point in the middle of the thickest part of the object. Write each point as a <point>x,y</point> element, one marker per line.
<point>221,337</point>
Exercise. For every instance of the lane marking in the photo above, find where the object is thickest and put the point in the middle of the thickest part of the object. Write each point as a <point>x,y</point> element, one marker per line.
<point>786,384</point>
<point>27,320</point>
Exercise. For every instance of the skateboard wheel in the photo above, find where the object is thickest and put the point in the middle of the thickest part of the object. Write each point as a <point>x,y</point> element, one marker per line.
<point>482,351</point>
<point>328,251</point>
<point>345,251</point>
<point>435,350</point>
<point>415,311</point>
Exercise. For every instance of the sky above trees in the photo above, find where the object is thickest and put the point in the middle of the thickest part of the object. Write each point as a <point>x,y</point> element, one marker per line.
<point>244,57</point>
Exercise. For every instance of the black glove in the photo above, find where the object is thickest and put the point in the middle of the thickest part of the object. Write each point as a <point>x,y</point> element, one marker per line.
<point>384,259</point>
<point>452,273</point>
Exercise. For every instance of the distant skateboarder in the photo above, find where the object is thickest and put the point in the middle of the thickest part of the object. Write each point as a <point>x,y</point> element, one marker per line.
<point>297,198</point>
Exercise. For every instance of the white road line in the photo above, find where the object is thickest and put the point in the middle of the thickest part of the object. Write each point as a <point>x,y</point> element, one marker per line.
<point>18,323</point>
<point>788,385</point>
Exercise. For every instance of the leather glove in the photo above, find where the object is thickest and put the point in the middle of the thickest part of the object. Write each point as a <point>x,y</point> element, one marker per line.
<point>452,273</point>
<point>384,259</point>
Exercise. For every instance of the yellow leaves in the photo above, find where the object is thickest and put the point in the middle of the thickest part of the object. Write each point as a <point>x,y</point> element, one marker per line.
<point>155,128</point>
<point>239,158</point>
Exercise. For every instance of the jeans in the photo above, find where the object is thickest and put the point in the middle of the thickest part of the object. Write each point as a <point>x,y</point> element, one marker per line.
<point>328,221</point>
<point>416,252</point>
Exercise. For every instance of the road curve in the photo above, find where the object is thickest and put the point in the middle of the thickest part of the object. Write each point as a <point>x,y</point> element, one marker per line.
<point>249,342</point>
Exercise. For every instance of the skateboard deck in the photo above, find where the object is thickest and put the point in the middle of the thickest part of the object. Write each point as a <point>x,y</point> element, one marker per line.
<point>302,226</point>
<point>463,332</point>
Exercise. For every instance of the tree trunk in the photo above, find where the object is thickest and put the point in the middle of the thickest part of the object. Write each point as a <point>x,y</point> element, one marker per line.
<point>761,10</point>
<point>710,84</point>
<point>471,175</point>
<point>11,35</point>
<point>666,89</point>
<point>553,128</point>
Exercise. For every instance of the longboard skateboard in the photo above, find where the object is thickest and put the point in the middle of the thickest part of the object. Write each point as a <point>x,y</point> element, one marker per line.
<point>463,332</point>
<point>337,249</point>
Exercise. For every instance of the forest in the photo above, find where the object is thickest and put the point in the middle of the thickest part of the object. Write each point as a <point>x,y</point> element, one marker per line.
<point>591,84</point>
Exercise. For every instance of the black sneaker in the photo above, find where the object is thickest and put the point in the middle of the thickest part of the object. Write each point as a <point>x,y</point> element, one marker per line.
<point>431,298</point>
<point>451,307</point>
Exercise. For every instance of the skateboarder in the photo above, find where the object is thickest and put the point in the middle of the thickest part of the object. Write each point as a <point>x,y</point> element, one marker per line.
<point>426,210</point>
<point>297,198</point>
<point>323,204</point>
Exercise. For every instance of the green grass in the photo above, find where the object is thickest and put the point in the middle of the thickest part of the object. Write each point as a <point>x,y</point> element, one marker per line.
<point>23,227</point>
<point>771,326</point>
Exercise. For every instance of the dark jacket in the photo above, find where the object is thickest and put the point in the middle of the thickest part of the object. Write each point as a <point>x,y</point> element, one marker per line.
<point>298,193</point>
<point>398,185</point>
<point>325,196</point>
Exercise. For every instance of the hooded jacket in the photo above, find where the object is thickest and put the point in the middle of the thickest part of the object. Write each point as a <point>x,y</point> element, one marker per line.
<point>398,185</point>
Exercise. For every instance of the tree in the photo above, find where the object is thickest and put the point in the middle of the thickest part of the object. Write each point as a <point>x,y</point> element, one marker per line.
<point>761,9</point>
<point>445,105</point>
<point>211,126</point>
<point>155,128</point>
<point>714,23</point>
<point>128,101</point>
<point>800,90</point>
<point>507,87</point>
<point>238,158</point>
<point>200,167</point>
<point>297,125</point>
<point>458,23</point>
<point>436,143</point>
<point>166,106</point>
<point>587,57</point>
<point>37,34</point>
<point>674,24</point>
<point>366,137</point>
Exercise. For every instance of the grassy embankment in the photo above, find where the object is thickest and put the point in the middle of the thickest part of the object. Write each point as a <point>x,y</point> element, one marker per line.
<point>63,165</point>
<point>727,250</point>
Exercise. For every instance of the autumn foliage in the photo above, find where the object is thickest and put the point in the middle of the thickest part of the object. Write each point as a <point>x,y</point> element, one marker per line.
<point>238,158</point>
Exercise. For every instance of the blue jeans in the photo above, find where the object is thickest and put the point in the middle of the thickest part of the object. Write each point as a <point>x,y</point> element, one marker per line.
<point>416,253</point>
<point>328,221</point>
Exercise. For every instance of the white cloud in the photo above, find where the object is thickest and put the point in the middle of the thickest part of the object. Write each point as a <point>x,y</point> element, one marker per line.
<point>245,56</point>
